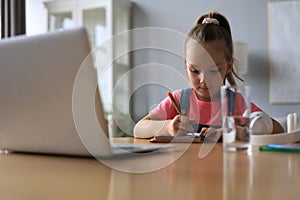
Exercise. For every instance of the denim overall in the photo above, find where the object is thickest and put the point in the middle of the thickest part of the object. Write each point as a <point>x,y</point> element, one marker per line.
<point>184,104</point>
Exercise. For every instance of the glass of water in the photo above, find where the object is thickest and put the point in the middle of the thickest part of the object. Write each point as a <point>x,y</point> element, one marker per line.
<point>236,108</point>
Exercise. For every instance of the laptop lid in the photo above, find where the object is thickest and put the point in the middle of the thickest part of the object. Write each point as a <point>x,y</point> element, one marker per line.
<point>43,94</point>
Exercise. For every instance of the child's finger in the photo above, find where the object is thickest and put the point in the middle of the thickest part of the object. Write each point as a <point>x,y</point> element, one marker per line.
<point>186,119</point>
<point>187,127</point>
<point>203,132</point>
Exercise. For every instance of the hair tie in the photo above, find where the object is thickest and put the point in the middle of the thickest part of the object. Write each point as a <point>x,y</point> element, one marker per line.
<point>209,20</point>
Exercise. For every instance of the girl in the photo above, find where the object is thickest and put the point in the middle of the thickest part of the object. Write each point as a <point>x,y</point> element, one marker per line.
<point>209,64</point>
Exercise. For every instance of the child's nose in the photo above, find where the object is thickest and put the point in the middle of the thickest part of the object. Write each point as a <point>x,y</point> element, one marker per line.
<point>202,78</point>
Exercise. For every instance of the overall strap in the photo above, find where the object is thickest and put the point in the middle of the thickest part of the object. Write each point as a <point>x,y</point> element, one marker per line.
<point>184,102</point>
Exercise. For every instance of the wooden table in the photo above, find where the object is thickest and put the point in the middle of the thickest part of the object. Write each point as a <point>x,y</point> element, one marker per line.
<point>220,175</point>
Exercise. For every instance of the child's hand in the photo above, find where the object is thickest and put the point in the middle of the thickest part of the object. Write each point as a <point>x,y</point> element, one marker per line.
<point>180,125</point>
<point>211,133</point>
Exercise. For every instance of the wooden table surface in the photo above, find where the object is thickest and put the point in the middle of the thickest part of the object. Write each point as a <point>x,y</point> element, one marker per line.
<point>220,175</point>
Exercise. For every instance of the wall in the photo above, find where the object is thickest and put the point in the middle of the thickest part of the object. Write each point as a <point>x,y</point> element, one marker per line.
<point>249,23</point>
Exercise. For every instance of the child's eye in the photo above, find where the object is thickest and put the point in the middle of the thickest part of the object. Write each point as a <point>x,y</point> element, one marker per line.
<point>214,71</point>
<point>194,71</point>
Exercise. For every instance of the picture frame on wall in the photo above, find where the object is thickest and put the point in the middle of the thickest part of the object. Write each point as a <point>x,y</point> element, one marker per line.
<point>284,52</point>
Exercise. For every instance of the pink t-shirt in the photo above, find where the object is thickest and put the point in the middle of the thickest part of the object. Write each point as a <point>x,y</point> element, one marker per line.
<point>206,113</point>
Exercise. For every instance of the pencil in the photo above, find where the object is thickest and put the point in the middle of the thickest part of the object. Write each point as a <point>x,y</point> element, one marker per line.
<point>174,103</point>
<point>268,148</point>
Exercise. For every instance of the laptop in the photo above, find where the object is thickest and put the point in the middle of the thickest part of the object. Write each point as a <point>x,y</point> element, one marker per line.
<point>49,99</point>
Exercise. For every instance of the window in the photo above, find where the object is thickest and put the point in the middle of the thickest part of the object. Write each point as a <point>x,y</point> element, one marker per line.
<point>13,14</point>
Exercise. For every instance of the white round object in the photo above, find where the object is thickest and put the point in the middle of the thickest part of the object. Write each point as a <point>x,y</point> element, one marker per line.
<point>260,123</point>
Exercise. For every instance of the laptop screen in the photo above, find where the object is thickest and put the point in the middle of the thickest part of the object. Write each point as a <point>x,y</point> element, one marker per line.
<point>37,78</point>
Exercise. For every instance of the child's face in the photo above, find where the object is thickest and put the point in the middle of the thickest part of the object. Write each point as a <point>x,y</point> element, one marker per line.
<point>206,67</point>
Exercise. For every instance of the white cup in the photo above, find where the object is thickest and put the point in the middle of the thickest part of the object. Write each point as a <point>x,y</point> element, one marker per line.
<point>293,122</point>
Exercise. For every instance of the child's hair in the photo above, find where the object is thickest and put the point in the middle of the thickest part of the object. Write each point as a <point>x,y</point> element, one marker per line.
<point>211,27</point>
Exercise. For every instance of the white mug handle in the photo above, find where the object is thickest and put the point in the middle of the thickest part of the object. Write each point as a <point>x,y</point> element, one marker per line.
<point>260,123</point>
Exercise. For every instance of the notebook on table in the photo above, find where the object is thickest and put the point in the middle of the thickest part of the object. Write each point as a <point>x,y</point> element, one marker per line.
<point>188,138</point>
<point>49,97</point>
